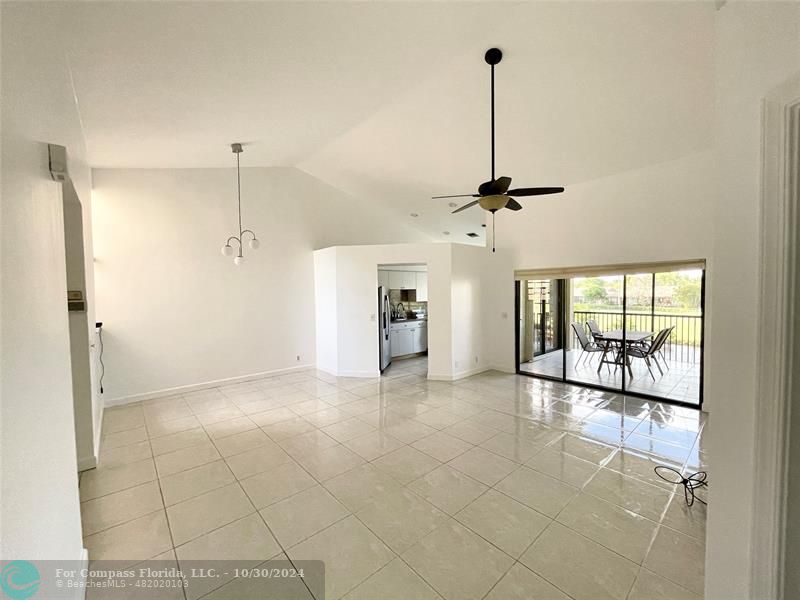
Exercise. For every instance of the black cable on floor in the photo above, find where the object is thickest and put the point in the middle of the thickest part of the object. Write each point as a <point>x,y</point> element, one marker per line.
<point>690,483</point>
<point>99,326</point>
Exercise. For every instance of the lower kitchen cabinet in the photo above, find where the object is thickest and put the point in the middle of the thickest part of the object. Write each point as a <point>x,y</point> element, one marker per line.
<point>408,338</point>
<point>401,342</point>
<point>419,339</point>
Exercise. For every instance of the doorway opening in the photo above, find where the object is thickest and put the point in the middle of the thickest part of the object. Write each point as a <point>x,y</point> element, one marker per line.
<point>403,320</point>
<point>79,328</point>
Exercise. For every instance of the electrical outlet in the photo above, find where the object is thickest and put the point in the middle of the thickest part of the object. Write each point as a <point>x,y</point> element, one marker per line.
<point>298,358</point>
<point>476,360</point>
<point>457,365</point>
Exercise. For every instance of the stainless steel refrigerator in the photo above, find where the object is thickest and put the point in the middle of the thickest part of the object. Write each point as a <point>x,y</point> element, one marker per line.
<point>384,320</point>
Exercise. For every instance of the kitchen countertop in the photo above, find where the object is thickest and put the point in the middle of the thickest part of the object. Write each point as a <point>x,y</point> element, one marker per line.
<point>409,320</point>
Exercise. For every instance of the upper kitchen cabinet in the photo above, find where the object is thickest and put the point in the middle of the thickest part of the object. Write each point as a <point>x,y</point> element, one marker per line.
<point>383,279</point>
<point>402,280</point>
<point>422,286</point>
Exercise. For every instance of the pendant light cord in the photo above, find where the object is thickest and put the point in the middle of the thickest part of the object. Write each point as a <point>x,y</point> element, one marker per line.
<point>239,195</point>
<point>493,232</point>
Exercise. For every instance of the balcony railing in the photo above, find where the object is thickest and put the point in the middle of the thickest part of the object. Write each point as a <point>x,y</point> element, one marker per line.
<point>683,344</point>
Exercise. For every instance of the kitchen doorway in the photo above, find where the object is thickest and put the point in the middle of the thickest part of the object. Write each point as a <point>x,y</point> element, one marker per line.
<point>403,320</point>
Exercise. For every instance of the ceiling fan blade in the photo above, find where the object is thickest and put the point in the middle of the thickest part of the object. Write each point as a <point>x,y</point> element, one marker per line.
<point>513,204</point>
<point>457,196</point>
<point>540,191</point>
<point>465,207</point>
<point>494,188</point>
<point>501,185</point>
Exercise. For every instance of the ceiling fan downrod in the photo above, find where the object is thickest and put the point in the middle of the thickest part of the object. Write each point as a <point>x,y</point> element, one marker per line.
<point>494,195</point>
<point>493,56</point>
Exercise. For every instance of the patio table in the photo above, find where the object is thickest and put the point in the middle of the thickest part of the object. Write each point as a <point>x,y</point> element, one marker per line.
<point>616,338</point>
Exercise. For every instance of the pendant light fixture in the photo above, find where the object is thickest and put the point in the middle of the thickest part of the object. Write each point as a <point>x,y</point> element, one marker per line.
<point>227,249</point>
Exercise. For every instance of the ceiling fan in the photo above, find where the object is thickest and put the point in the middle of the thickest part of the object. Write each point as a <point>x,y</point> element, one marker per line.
<point>494,194</point>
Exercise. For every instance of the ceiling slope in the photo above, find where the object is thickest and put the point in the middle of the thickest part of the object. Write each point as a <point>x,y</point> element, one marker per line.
<point>389,102</point>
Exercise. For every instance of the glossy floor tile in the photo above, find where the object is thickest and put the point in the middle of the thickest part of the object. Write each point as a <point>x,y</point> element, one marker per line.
<point>493,487</point>
<point>458,563</point>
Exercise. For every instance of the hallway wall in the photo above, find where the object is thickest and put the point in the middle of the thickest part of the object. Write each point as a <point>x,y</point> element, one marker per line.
<point>757,49</point>
<point>40,509</point>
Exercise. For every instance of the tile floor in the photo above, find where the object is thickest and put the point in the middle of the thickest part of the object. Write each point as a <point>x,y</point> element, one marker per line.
<point>497,486</point>
<point>680,382</point>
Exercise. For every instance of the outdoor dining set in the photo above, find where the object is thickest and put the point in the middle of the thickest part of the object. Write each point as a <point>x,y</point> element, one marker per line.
<point>618,347</point>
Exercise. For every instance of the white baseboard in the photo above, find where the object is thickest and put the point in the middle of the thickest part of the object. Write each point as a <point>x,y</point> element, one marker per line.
<point>439,377</point>
<point>358,374</point>
<point>80,591</point>
<point>328,370</point>
<point>183,389</point>
<point>87,462</point>
<point>458,375</point>
<point>337,373</point>
<point>502,369</point>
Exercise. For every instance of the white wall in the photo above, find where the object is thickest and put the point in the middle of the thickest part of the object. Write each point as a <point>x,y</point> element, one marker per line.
<point>468,291</point>
<point>660,212</point>
<point>40,507</point>
<point>175,311</point>
<point>757,48</point>
<point>326,310</point>
<point>356,341</point>
<point>456,298</point>
<point>499,318</point>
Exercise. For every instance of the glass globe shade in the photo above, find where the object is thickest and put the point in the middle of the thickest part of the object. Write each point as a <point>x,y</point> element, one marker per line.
<point>254,244</point>
<point>227,250</point>
<point>238,260</point>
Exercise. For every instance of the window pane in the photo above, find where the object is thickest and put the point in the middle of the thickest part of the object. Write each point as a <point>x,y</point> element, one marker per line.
<point>673,371</point>
<point>595,303</point>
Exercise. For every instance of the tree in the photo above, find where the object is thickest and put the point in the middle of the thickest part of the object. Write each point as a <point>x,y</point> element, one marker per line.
<point>594,290</point>
<point>687,292</point>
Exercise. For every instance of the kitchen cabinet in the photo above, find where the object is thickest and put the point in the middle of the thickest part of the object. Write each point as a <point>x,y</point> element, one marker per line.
<point>402,343</point>
<point>419,338</point>
<point>383,279</point>
<point>408,337</point>
<point>402,280</point>
<point>422,286</point>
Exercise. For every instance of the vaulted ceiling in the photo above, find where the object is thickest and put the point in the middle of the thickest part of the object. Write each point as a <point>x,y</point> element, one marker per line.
<point>390,101</point>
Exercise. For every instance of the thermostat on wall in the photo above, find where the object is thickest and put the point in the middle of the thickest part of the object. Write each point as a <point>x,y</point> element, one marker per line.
<point>75,301</point>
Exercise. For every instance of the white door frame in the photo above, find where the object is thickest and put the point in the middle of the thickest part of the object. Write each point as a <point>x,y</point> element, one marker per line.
<point>778,255</point>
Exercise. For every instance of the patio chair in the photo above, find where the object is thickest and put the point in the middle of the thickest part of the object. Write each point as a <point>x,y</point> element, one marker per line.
<point>661,347</point>
<point>660,350</point>
<point>587,347</point>
<point>595,330</point>
<point>648,352</point>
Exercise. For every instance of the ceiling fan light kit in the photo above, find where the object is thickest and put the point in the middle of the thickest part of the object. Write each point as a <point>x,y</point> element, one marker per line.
<point>227,249</point>
<point>494,195</point>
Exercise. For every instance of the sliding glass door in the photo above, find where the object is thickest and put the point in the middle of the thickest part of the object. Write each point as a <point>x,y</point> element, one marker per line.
<point>636,332</point>
<point>541,319</point>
